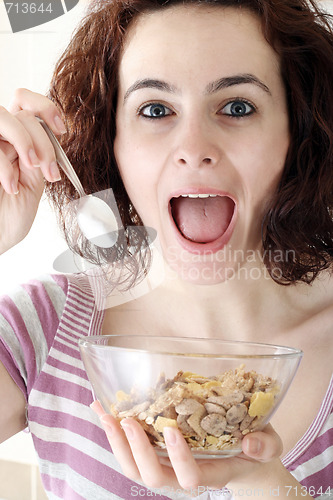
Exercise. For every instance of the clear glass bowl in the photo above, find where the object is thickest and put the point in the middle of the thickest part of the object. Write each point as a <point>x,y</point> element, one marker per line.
<point>214,391</point>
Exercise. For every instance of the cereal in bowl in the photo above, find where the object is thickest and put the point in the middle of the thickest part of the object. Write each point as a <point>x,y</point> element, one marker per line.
<point>213,413</point>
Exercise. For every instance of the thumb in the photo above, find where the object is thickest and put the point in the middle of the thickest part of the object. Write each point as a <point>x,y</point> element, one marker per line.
<point>263,446</point>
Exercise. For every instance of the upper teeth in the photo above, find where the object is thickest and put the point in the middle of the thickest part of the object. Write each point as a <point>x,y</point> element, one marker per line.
<point>201,195</point>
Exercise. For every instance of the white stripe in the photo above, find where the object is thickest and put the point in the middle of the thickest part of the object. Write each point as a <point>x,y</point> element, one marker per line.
<point>69,334</point>
<point>84,445</point>
<point>33,325</point>
<point>63,375</point>
<point>79,316</point>
<point>75,321</point>
<point>77,298</point>
<point>317,426</point>
<point>77,441</point>
<point>11,341</point>
<point>78,483</point>
<point>65,358</point>
<point>55,293</point>
<point>68,343</point>
<point>314,465</point>
<point>328,425</point>
<point>58,403</point>
<point>87,447</point>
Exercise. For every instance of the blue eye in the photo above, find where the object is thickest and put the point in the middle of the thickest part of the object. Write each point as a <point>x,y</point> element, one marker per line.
<point>238,109</point>
<point>155,111</point>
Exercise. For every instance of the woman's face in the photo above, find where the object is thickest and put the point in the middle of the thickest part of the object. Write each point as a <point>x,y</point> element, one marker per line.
<point>202,134</point>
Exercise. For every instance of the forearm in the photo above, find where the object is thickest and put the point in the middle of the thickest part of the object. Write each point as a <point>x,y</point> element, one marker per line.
<point>273,480</point>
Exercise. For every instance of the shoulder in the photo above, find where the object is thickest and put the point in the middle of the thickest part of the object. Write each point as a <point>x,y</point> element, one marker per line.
<point>45,293</point>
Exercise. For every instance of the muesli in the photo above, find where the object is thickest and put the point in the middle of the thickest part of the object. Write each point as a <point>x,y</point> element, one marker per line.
<point>213,413</point>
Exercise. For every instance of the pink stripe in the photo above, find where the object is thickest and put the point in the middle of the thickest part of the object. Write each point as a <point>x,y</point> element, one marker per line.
<point>314,429</point>
<point>77,309</point>
<point>74,304</point>
<point>76,425</point>
<point>65,326</point>
<point>78,296</point>
<point>76,320</point>
<point>320,481</point>
<point>80,283</point>
<point>70,351</point>
<point>92,470</point>
<point>96,322</point>
<point>62,281</point>
<point>59,488</point>
<point>316,448</point>
<point>65,367</point>
<point>69,335</point>
<point>69,341</point>
<point>64,389</point>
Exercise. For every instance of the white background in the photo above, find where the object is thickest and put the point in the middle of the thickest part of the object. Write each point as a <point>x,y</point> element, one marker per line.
<point>27,60</point>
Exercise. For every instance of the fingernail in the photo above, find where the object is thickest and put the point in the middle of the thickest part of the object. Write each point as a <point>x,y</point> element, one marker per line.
<point>54,171</point>
<point>106,426</point>
<point>14,187</point>
<point>170,436</point>
<point>127,429</point>
<point>60,125</point>
<point>33,158</point>
<point>108,429</point>
<point>96,407</point>
<point>253,446</point>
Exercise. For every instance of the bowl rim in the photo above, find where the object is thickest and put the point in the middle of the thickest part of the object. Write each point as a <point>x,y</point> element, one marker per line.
<point>286,351</point>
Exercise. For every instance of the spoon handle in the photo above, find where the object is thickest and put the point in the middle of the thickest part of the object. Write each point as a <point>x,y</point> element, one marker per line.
<point>62,159</point>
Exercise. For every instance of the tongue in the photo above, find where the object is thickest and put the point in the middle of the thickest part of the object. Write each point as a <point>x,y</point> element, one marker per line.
<point>202,219</point>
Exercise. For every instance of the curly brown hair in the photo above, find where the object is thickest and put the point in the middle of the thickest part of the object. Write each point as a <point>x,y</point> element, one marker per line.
<point>299,220</point>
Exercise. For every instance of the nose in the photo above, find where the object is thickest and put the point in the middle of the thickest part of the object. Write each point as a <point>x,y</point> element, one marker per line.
<point>196,144</point>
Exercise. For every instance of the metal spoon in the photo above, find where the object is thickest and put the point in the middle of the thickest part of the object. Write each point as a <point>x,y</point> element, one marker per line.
<point>96,219</point>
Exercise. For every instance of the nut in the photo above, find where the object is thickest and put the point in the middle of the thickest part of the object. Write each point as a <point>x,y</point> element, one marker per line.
<point>184,427</point>
<point>188,406</point>
<point>214,408</point>
<point>214,424</point>
<point>245,422</point>
<point>236,414</point>
<point>194,421</point>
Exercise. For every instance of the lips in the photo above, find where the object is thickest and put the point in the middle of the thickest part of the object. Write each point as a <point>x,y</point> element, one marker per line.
<point>202,220</point>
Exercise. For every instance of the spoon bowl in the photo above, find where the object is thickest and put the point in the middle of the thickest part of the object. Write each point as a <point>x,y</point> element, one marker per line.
<point>96,219</point>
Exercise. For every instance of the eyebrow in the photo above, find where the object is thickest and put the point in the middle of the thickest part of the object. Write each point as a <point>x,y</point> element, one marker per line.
<point>150,83</point>
<point>230,81</point>
<point>221,83</point>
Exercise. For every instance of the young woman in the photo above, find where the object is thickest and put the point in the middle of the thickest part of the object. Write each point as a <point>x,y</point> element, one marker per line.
<point>212,123</point>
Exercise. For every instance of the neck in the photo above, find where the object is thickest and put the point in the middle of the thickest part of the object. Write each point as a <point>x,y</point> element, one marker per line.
<point>250,306</point>
<point>236,308</point>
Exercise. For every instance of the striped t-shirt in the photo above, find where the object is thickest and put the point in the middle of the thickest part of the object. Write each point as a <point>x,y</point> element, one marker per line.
<point>40,325</point>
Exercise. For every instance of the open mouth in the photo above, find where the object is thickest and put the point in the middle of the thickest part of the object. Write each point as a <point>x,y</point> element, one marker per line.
<point>202,218</point>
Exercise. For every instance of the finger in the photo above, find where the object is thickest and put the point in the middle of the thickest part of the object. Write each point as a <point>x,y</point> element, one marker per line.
<point>12,130</point>
<point>42,145</point>
<point>186,469</point>
<point>40,106</point>
<point>9,175</point>
<point>120,447</point>
<point>152,473</point>
<point>263,446</point>
<point>97,408</point>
